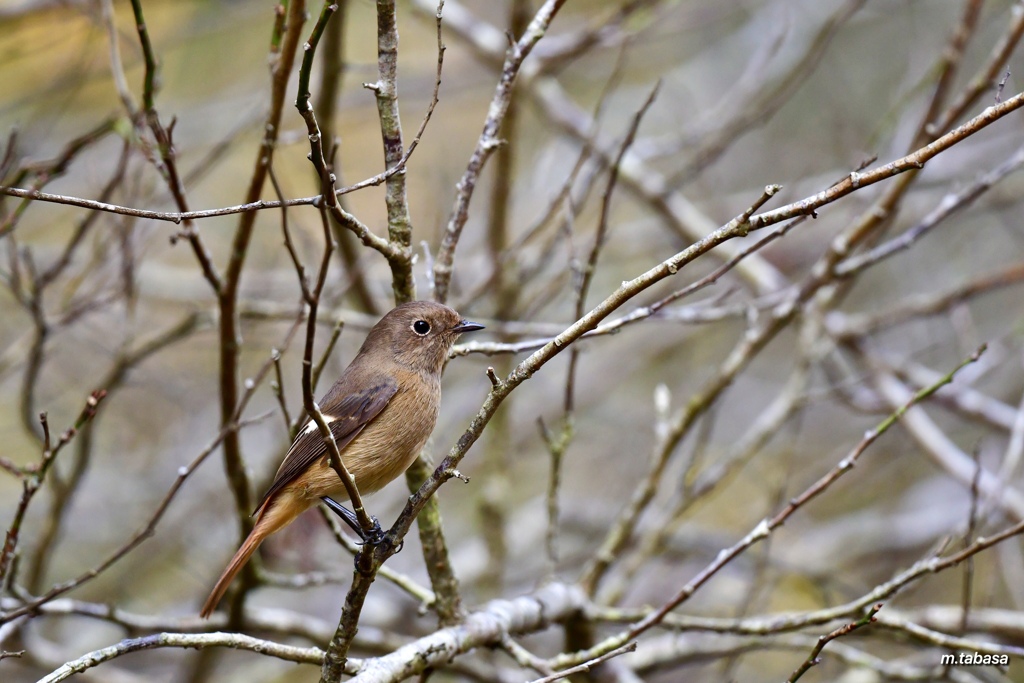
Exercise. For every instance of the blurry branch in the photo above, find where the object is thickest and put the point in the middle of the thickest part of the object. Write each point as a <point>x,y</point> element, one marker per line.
<point>949,205</point>
<point>588,270</point>
<point>558,51</point>
<point>813,658</point>
<point>190,641</point>
<point>1003,624</point>
<point>44,172</point>
<point>58,267</point>
<point>996,623</point>
<point>556,444</point>
<point>919,633</point>
<point>29,287</point>
<point>318,369</point>
<point>512,263</point>
<point>487,143</point>
<point>149,529</point>
<point>36,476</point>
<point>116,67</point>
<point>768,525</point>
<point>277,386</point>
<point>653,541</point>
<point>10,152</point>
<point>65,487</point>
<point>969,402</point>
<point>523,657</point>
<point>949,65</point>
<point>758,108</point>
<point>263,619</point>
<point>669,650</point>
<point>945,453</point>
<point>678,212</point>
<point>207,164</point>
<point>985,78</point>
<point>854,325</point>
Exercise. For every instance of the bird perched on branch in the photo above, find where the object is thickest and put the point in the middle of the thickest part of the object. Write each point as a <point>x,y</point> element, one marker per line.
<point>381,412</point>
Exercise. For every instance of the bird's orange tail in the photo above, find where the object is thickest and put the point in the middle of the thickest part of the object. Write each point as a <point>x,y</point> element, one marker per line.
<point>276,513</point>
<point>237,562</point>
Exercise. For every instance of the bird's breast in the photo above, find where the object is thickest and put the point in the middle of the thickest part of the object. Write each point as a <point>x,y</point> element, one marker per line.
<point>387,446</point>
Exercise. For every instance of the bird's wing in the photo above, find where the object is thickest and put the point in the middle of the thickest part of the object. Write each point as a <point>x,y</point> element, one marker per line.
<point>346,420</point>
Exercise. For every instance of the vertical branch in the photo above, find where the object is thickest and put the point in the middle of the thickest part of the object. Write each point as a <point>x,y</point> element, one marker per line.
<point>167,164</point>
<point>948,66</point>
<point>487,143</point>
<point>493,498</point>
<point>386,90</point>
<point>328,196</point>
<point>332,61</point>
<point>227,299</point>
<point>601,236</point>
<point>230,341</point>
<point>149,79</point>
<point>556,446</point>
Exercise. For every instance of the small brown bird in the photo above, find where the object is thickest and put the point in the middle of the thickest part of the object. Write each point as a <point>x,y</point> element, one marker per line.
<point>381,412</point>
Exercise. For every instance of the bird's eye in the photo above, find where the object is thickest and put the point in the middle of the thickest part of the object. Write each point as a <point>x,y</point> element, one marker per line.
<point>421,327</point>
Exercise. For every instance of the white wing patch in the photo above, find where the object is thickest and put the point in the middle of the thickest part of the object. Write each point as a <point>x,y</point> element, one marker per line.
<point>311,427</point>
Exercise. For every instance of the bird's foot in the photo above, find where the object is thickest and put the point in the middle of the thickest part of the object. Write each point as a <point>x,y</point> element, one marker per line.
<point>374,536</point>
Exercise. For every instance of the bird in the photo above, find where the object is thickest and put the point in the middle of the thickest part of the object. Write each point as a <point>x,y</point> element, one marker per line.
<point>381,411</point>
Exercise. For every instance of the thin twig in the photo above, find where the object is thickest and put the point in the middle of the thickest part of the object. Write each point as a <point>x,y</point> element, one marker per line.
<point>814,658</point>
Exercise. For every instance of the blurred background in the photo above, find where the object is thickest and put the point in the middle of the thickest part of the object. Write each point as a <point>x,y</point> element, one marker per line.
<point>794,92</point>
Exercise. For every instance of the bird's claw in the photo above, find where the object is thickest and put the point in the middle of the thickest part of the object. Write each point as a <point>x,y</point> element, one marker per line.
<point>373,537</point>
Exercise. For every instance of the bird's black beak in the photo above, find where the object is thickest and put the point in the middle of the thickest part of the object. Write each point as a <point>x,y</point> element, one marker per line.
<point>467,326</point>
